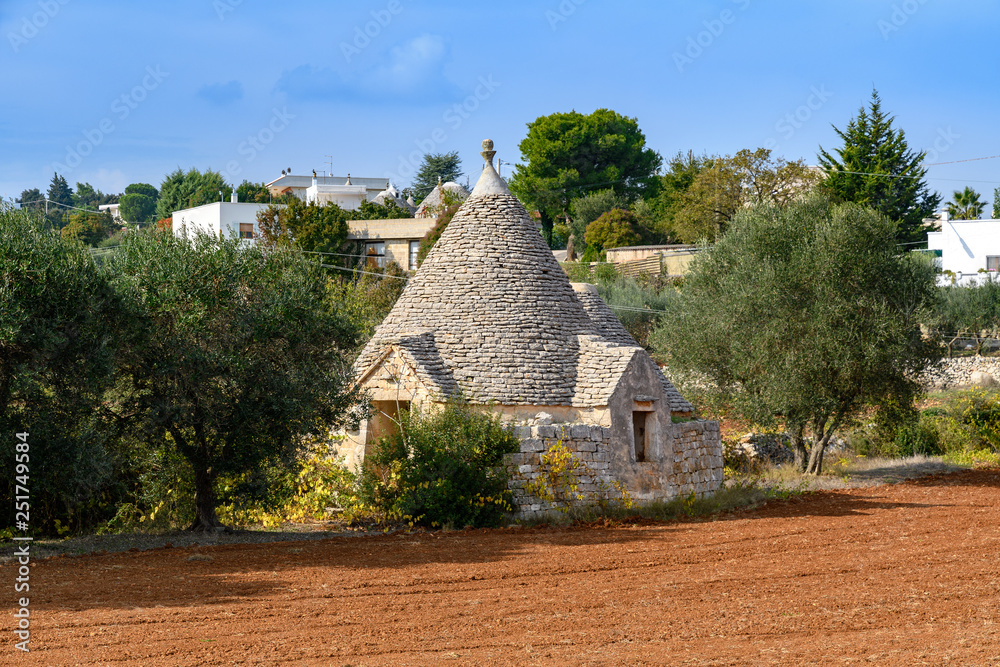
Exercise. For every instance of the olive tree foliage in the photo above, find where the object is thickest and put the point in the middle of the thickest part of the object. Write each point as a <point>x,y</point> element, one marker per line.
<point>60,326</point>
<point>238,354</point>
<point>807,313</point>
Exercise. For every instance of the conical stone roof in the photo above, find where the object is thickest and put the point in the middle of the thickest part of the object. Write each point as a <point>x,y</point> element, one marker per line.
<point>611,328</point>
<point>492,314</point>
<point>433,204</point>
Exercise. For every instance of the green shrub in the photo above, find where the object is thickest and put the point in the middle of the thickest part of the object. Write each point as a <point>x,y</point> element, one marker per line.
<point>967,421</point>
<point>443,468</point>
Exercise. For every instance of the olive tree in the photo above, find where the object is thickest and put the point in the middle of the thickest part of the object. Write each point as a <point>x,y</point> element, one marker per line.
<point>59,331</point>
<point>237,355</point>
<point>806,313</point>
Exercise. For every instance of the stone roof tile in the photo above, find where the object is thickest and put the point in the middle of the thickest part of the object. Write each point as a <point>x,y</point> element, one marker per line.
<point>490,313</point>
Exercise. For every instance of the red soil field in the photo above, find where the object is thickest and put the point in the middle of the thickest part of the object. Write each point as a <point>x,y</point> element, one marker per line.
<point>903,574</point>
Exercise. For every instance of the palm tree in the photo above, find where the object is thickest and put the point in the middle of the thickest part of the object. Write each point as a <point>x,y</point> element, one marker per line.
<point>965,205</point>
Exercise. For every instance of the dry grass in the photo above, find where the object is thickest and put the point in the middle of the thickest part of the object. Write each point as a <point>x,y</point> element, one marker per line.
<point>847,470</point>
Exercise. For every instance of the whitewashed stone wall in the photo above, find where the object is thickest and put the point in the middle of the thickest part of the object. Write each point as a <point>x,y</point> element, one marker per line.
<point>694,466</point>
<point>964,372</point>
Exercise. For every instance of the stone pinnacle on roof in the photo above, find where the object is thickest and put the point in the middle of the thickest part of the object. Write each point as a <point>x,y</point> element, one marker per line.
<point>490,182</point>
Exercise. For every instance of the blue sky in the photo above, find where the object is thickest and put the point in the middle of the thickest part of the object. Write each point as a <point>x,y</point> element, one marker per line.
<point>115,93</point>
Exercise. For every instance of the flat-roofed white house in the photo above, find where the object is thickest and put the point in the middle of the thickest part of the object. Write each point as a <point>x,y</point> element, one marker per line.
<point>969,249</point>
<point>300,186</point>
<point>224,219</point>
<point>396,240</point>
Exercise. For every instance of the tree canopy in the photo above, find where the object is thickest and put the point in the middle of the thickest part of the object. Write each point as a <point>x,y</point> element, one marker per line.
<point>720,187</point>
<point>807,313</point>
<point>87,196</point>
<point>237,356</point>
<point>614,229</point>
<point>59,191</point>
<point>436,167</point>
<point>313,227</point>
<point>965,205</point>
<point>255,193</point>
<point>567,155</point>
<point>139,203</point>
<point>28,196</point>
<point>89,227</point>
<point>584,210</point>
<point>186,189</point>
<point>875,167</point>
<point>59,325</point>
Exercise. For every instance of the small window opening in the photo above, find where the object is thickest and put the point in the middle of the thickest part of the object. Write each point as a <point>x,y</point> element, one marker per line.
<point>639,433</point>
<point>375,253</point>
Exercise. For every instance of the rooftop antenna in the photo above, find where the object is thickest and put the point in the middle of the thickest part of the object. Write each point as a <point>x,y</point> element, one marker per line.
<point>330,163</point>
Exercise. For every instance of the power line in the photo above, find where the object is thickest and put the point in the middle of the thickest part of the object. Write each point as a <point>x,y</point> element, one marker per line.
<point>55,203</point>
<point>971,159</point>
<point>367,273</point>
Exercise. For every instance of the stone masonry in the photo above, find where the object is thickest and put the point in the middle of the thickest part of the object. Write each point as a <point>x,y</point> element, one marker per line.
<point>975,371</point>
<point>490,317</point>
<point>697,462</point>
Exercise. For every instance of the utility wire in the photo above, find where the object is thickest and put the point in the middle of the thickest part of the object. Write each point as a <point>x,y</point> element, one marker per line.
<point>55,203</point>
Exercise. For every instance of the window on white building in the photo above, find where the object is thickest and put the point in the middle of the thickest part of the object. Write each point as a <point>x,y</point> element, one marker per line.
<point>246,230</point>
<point>993,263</point>
<point>414,249</point>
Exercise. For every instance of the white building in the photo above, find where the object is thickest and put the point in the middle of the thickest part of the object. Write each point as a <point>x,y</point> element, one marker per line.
<point>969,249</point>
<point>115,215</point>
<point>222,218</point>
<point>381,241</point>
<point>300,185</point>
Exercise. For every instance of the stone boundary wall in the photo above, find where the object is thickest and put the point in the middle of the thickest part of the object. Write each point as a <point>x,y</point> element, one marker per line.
<point>964,372</point>
<point>696,465</point>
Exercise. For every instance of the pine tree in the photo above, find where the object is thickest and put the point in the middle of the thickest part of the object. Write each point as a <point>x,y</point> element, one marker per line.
<point>876,168</point>
<point>996,203</point>
<point>443,166</point>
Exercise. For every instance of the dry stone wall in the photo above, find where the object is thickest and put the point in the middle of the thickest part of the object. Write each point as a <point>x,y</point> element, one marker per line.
<point>694,466</point>
<point>698,463</point>
<point>975,371</point>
